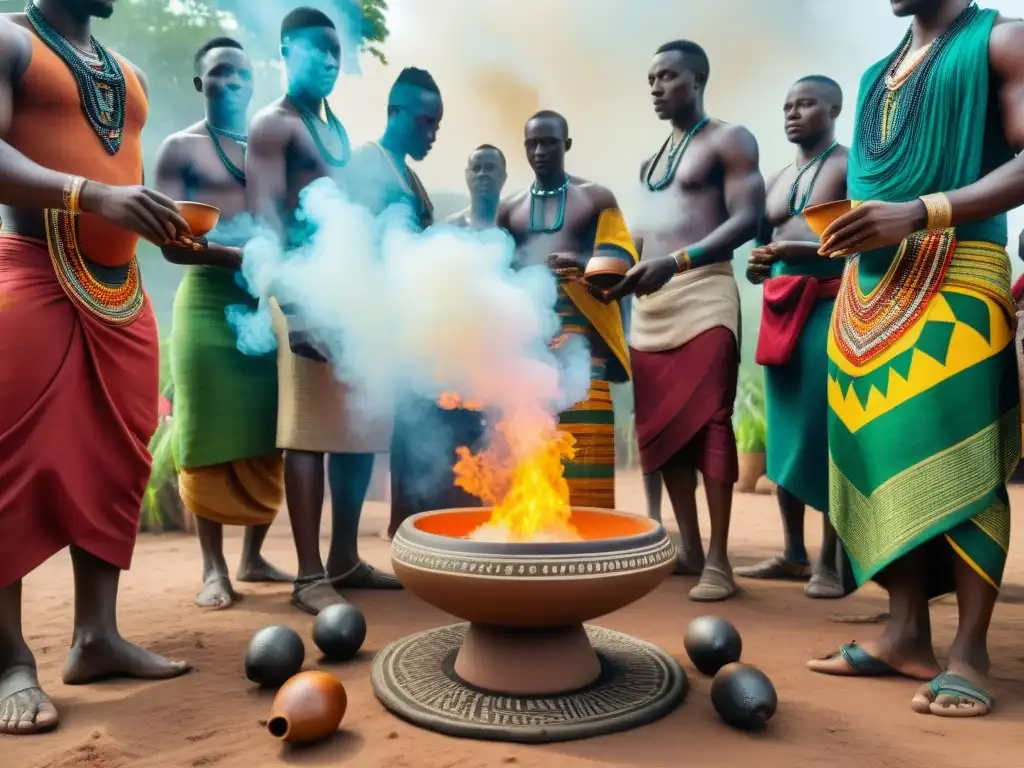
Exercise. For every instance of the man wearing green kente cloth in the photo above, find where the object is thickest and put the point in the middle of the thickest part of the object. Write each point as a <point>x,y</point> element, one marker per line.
<point>924,413</point>
<point>799,292</point>
<point>225,403</point>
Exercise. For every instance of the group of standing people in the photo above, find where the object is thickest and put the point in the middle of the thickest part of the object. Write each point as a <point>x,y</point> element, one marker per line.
<point>887,341</point>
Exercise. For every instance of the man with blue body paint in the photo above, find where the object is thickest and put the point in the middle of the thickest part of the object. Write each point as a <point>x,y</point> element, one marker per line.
<point>293,142</point>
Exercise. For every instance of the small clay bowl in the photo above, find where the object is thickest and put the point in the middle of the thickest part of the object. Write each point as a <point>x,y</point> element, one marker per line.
<point>201,218</point>
<point>818,217</point>
<point>605,272</point>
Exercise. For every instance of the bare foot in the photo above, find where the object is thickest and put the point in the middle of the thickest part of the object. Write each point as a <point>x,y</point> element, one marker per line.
<point>716,584</point>
<point>24,706</point>
<point>313,595</point>
<point>962,691</point>
<point>257,569</point>
<point>878,658</point>
<point>217,594</point>
<point>107,657</point>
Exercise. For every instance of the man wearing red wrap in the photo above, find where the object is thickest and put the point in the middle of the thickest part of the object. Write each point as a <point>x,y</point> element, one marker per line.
<point>704,197</point>
<point>78,341</point>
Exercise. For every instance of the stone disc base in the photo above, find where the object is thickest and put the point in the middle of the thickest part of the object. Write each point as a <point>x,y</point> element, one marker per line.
<point>414,678</point>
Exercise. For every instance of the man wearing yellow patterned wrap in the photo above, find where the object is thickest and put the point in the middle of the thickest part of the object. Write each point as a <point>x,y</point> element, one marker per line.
<point>568,220</point>
<point>923,403</point>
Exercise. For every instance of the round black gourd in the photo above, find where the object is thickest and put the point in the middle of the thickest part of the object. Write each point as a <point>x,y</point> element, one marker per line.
<point>339,631</point>
<point>743,696</point>
<point>275,654</point>
<point>711,643</point>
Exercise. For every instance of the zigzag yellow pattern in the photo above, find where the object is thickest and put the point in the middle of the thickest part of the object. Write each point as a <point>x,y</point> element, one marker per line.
<point>967,348</point>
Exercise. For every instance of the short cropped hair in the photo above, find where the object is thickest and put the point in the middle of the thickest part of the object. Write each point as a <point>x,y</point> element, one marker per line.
<point>834,89</point>
<point>550,114</point>
<point>210,45</point>
<point>304,18</point>
<point>693,55</point>
<point>414,77</point>
<point>493,149</point>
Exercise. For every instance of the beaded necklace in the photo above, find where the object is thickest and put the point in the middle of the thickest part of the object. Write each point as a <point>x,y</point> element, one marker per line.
<point>675,154</point>
<point>817,164</point>
<point>311,120</point>
<point>536,223</point>
<point>888,116</point>
<point>101,89</point>
<point>242,140</point>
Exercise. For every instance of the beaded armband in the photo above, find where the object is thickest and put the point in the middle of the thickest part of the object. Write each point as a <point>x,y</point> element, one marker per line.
<point>940,211</point>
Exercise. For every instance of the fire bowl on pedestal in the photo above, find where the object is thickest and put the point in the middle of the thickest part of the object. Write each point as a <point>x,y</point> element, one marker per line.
<point>525,668</point>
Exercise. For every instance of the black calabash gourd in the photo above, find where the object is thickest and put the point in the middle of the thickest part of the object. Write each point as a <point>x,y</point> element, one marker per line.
<point>711,643</point>
<point>274,655</point>
<point>743,696</point>
<point>339,631</point>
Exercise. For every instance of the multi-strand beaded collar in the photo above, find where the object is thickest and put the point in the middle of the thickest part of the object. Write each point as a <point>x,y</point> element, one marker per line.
<point>100,80</point>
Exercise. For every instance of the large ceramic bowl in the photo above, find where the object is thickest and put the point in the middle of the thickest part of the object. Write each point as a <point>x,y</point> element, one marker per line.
<point>526,603</point>
<point>621,558</point>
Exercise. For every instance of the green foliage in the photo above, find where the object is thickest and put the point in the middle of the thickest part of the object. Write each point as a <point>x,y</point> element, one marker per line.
<point>749,419</point>
<point>161,505</point>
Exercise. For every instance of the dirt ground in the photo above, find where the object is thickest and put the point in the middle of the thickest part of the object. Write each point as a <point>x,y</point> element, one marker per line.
<point>212,716</point>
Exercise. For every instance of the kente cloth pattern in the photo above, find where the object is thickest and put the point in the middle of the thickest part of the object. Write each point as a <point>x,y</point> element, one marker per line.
<point>924,431</point>
<point>796,399</point>
<point>241,492</point>
<point>225,401</point>
<point>601,323</point>
<point>591,472</point>
<point>317,412</point>
<point>78,405</point>
<point>683,404</point>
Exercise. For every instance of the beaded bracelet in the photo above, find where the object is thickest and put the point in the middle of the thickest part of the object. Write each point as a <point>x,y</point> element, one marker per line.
<point>940,211</point>
<point>682,260</point>
<point>72,192</point>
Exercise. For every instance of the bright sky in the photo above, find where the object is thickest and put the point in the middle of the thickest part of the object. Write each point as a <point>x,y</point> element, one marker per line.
<point>498,61</point>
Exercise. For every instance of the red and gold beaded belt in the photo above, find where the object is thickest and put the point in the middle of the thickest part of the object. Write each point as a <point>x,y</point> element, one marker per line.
<point>113,304</point>
<point>866,325</point>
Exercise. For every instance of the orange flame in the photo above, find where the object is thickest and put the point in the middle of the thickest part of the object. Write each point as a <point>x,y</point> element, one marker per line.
<point>451,400</point>
<point>523,483</point>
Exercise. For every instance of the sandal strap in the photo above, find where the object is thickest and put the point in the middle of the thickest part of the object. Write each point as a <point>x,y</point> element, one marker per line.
<point>961,686</point>
<point>863,662</point>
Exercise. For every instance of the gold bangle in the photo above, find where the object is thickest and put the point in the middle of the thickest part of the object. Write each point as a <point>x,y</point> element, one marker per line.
<point>940,210</point>
<point>682,259</point>
<point>72,193</point>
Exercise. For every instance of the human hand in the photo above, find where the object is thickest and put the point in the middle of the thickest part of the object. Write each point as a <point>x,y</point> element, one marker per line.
<point>759,268</point>
<point>872,225</point>
<point>645,278</point>
<point>139,209</point>
<point>565,265</point>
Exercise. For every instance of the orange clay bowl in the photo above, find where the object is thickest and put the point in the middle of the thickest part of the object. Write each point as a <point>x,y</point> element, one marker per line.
<point>818,217</point>
<point>605,271</point>
<point>201,218</point>
<point>526,602</point>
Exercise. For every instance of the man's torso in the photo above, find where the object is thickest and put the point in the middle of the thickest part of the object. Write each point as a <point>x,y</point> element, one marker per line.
<point>576,235</point>
<point>692,205</point>
<point>207,178</point>
<point>826,186</point>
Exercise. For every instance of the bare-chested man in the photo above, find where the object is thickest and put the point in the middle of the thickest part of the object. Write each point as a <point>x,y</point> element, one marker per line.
<point>378,178</point>
<point>563,220</point>
<point>705,198</point>
<point>225,402</point>
<point>486,173</point>
<point>798,298</point>
<point>79,378</point>
<point>293,142</point>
